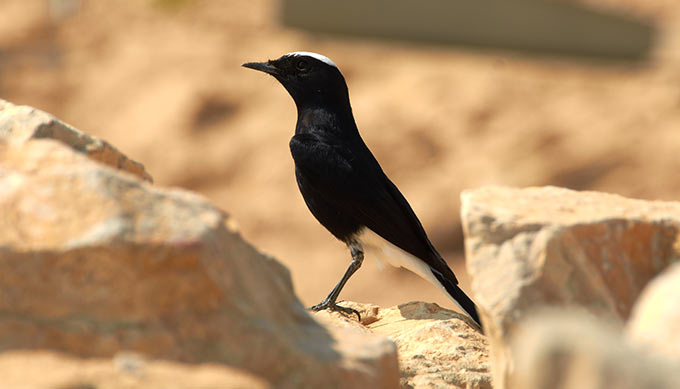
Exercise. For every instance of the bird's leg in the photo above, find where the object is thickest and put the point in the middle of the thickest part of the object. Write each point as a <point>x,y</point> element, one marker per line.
<point>329,302</point>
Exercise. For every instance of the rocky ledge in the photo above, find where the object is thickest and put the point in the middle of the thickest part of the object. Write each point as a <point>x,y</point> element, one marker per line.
<point>569,289</point>
<point>107,281</point>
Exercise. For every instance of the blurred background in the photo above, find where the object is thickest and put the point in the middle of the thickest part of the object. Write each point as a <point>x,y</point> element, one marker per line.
<point>473,102</point>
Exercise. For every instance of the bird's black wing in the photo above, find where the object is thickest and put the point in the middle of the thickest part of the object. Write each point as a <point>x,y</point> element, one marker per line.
<point>349,178</point>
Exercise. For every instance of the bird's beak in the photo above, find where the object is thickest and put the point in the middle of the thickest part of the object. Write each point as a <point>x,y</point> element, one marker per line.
<point>266,67</point>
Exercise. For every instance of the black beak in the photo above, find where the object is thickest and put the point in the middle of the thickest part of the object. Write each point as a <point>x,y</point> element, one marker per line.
<point>266,67</point>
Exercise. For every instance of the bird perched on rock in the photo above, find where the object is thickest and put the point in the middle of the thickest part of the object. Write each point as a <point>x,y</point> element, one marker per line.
<point>344,186</point>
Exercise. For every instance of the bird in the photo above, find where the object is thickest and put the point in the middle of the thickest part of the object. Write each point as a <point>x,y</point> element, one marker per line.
<point>344,186</point>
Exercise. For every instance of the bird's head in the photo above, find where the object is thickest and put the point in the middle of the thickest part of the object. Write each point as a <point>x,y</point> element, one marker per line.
<point>312,79</point>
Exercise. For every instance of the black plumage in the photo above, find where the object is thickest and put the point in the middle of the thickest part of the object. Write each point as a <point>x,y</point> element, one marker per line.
<point>342,183</point>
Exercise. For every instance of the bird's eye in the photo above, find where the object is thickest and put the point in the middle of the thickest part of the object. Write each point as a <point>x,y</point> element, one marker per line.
<point>302,65</point>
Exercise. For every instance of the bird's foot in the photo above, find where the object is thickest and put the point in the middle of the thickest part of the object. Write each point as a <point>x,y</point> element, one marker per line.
<point>330,305</point>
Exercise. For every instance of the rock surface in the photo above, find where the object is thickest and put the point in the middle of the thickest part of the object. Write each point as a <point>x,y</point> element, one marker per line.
<point>438,348</point>
<point>50,370</point>
<point>20,124</point>
<point>94,261</point>
<point>527,248</point>
<point>655,321</point>
<point>574,350</point>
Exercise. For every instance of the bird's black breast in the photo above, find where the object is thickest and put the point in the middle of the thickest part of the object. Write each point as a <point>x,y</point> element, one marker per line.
<point>342,225</point>
<point>324,172</point>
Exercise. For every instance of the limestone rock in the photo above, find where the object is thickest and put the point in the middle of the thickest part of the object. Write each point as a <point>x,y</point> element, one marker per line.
<point>438,348</point>
<point>655,321</point>
<point>527,248</point>
<point>93,262</point>
<point>574,350</point>
<point>20,124</point>
<point>50,370</point>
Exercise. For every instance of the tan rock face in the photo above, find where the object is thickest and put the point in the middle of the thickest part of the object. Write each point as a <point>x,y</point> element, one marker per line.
<point>50,370</point>
<point>20,124</point>
<point>655,321</point>
<point>574,350</point>
<point>438,348</point>
<point>94,261</point>
<point>549,246</point>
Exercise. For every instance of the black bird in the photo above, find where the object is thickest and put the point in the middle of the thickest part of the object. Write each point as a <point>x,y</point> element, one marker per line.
<point>344,186</point>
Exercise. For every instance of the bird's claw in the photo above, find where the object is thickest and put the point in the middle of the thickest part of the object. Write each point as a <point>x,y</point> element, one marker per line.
<point>334,307</point>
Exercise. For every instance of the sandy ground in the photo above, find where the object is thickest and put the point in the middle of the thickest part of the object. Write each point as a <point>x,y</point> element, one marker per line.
<point>162,81</point>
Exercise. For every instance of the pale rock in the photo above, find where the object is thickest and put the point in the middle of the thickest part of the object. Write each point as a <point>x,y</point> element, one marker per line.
<point>94,262</point>
<point>52,370</point>
<point>570,349</point>
<point>528,248</point>
<point>20,124</point>
<point>438,348</point>
<point>655,321</point>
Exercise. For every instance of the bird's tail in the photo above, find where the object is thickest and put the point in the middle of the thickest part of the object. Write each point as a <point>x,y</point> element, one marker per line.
<point>459,297</point>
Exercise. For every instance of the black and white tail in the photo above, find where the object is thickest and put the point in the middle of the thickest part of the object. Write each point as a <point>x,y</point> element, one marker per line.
<point>381,249</point>
<point>459,297</point>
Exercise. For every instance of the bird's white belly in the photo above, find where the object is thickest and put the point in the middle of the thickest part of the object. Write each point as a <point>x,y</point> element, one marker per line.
<point>378,248</point>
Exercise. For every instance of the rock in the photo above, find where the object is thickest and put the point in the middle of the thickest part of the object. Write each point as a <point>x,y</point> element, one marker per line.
<point>655,321</point>
<point>575,350</point>
<point>50,370</point>
<point>20,124</point>
<point>528,248</point>
<point>94,261</point>
<point>438,348</point>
